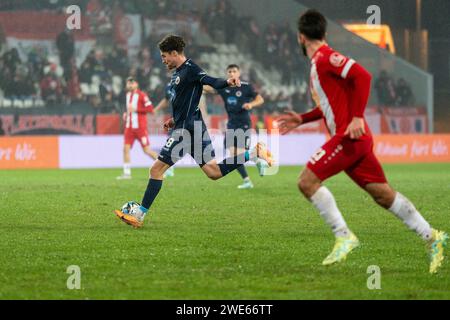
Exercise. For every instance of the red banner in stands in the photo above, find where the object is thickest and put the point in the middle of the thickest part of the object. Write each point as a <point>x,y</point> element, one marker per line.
<point>38,30</point>
<point>39,25</point>
<point>108,124</point>
<point>47,124</point>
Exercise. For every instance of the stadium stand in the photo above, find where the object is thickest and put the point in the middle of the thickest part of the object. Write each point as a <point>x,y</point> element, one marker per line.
<point>268,54</point>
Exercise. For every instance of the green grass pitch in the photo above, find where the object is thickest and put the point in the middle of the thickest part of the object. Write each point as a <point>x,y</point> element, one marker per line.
<point>208,240</point>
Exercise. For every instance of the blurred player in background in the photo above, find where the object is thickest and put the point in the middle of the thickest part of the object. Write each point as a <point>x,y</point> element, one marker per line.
<point>190,135</point>
<point>238,104</point>
<point>341,88</point>
<point>138,105</point>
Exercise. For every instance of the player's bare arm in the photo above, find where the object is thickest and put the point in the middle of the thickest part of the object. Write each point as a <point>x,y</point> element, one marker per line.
<point>163,104</point>
<point>257,102</point>
<point>288,122</point>
<point>209,90</point>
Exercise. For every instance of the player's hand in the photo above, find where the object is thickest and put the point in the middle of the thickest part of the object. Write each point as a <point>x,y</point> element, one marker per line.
<point>247,106</point>
<point>232,82</point>
<point>356,129</point>
<point>124,116</point>
<point>288,122</point>
<point>130,108</point>
<point>169,124</point>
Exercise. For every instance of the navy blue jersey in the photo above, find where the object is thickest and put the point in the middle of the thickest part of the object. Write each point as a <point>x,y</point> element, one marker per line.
<point>234,99</point>
<point>168,93</point>
<point>185,90</point>
<point>168,97</point>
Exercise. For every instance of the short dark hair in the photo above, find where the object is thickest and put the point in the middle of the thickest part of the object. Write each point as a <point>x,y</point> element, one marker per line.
<point>313,25</point>
<point>232,66</point>
<point>172,43</point>
<point>131,79</point>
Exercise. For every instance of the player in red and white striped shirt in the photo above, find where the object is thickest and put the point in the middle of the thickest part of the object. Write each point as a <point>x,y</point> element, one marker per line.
<point>138,106</point>
<point>340,88</point>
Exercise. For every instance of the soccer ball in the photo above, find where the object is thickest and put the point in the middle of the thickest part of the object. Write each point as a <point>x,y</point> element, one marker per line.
<point>128,207</point>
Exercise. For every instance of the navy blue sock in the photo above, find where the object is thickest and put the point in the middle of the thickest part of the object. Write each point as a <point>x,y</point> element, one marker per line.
<point>233,163</point>
<point>243,172</point>
<point>153,188</point>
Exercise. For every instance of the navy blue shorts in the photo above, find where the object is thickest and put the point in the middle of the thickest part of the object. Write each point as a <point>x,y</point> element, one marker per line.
<point>238,137</point>
<point>182,142</point>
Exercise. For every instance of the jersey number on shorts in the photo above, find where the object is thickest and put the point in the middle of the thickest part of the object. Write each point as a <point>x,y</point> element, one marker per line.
<point>170,142</point>
<point>319,155</point>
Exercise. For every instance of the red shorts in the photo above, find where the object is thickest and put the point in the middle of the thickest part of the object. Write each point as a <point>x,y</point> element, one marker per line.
<point>355,157</point>
<point>136,134</point>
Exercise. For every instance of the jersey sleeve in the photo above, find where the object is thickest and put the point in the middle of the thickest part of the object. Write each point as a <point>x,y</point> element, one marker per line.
<point>222,94</point>
<point>360,83</point>
<point>359,79</point>
<point>196,74</point>
<point>313,115</point>
<point>336,64</point>
<point>145,105</point>
<point>167,94</point>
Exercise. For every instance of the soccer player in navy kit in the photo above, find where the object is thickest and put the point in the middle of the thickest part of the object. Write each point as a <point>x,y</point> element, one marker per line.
<point>239,101</point>
<point>186,88</point>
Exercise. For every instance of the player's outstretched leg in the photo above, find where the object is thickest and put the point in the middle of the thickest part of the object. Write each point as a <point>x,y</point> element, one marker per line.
<point>217,171</point>
<point>152,154</point>
<point>169,173</point>
<point>404,209</point>
<point>324,202</point>
<point>247,184</point>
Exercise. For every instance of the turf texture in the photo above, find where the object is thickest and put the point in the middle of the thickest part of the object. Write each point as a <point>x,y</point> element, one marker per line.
<point>209,240</point>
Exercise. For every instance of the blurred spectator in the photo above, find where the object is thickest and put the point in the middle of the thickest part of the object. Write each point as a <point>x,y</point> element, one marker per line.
<point>86,72</point>
<point>11,60</point>
<point>144,70</point>
<point>220,20</point>
<point>106,95</point>
<point>276,47</point>
<point>385,88</point>
<point>117,62</point>
<point>20,86</point>
<point>404,93</point>
<point>66,48</point>
<point>52,87</point>
<point>100,14</point>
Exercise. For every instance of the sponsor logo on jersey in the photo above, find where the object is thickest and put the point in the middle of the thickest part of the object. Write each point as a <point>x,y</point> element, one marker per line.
<point>232,101</point>
<point>337,60</point>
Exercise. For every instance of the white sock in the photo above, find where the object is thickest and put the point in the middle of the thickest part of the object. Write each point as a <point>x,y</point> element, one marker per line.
<point>324,201</point>
<point>127,169</point>
<point>405,211</point>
